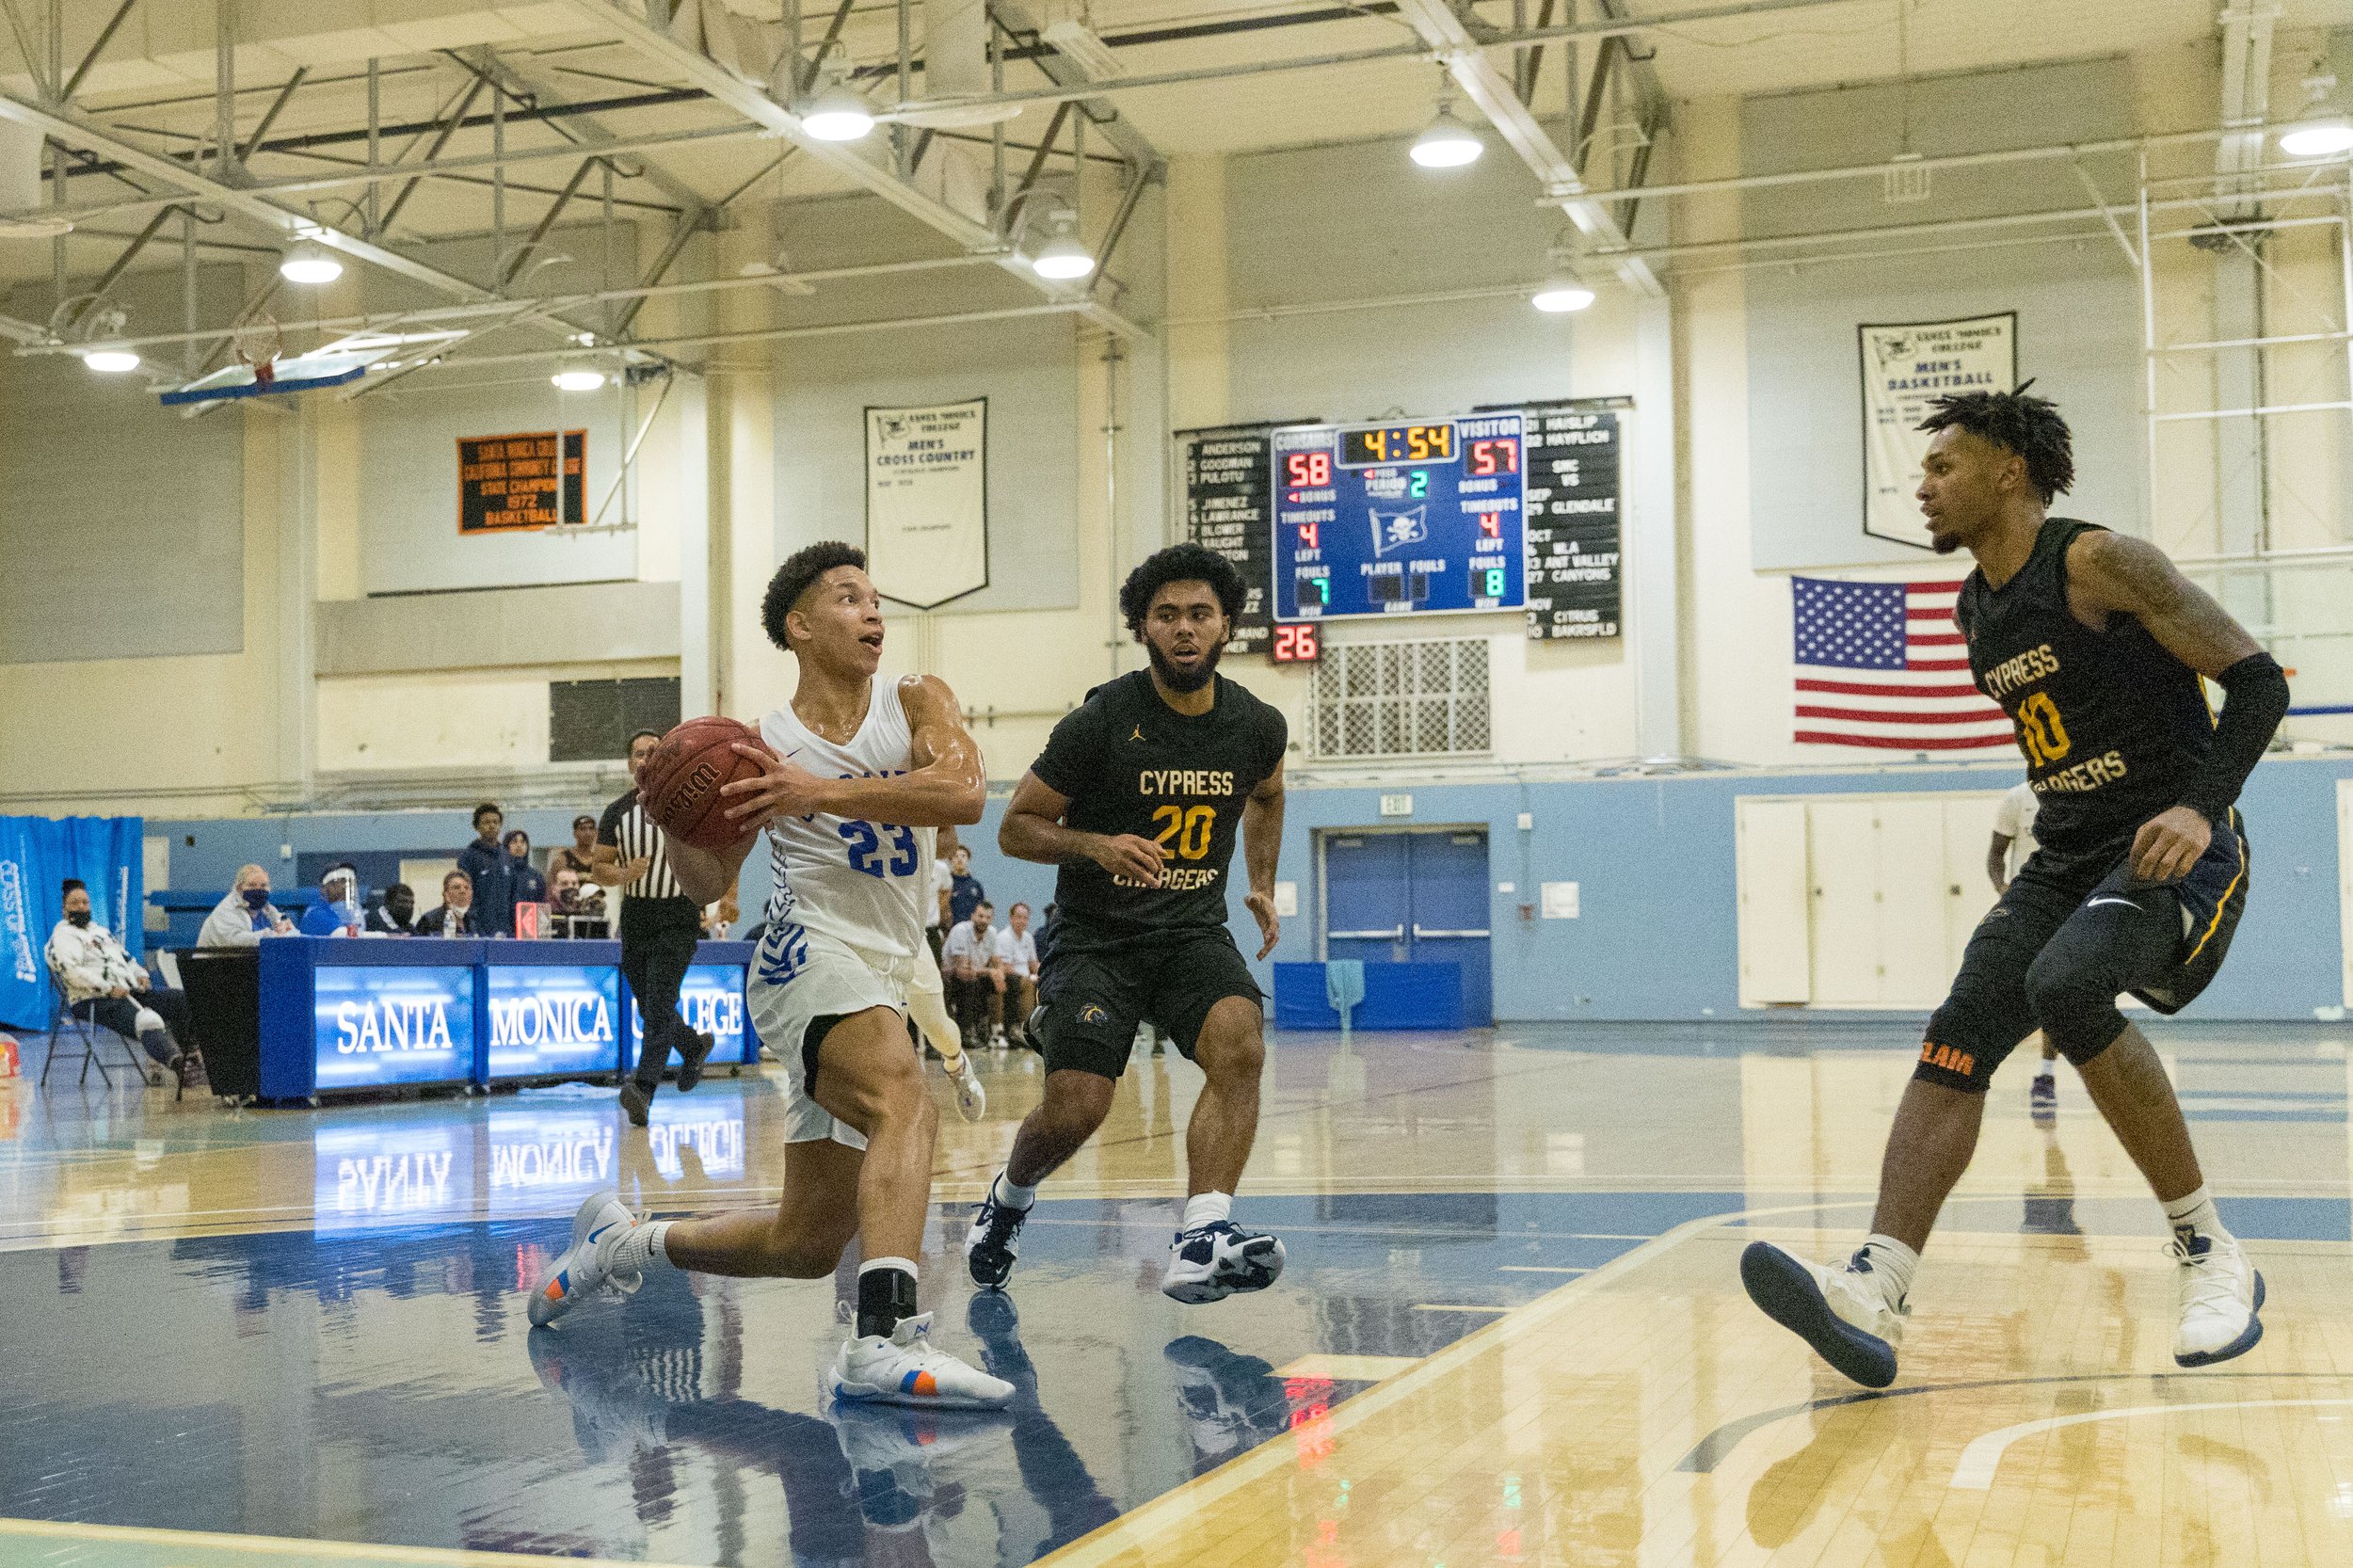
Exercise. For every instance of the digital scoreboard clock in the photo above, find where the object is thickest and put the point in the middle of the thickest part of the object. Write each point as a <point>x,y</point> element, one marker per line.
<point>1411,518</point>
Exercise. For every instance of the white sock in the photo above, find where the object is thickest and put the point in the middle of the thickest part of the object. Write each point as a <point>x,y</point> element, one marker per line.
<point>1207,1208</point>
<point>1004,1191</point>
<point>1893,1263</point>
<point>2047,1068</point>
<point>2195,1215</point>
<point>639,1246</point>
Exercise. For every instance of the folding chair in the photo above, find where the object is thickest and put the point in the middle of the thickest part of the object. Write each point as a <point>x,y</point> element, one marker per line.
<point>64,1020</point>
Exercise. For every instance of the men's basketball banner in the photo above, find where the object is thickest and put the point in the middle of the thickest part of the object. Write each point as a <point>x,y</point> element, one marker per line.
<point>927,501</point>
<point>1881,664</point>
<point>1903,367</point>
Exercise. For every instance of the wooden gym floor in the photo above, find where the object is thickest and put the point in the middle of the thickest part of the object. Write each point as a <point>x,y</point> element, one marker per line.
<point>1510,1331</point>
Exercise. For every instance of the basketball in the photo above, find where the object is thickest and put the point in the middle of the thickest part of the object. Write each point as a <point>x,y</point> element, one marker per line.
<point>681,780</point>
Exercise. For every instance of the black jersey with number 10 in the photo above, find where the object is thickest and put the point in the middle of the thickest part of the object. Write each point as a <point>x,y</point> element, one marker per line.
<point>2112,725</point>
<point>1130,763</point>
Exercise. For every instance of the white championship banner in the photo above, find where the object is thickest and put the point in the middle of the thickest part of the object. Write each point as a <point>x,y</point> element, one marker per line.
<point>1903,367</point>
<point>927,501</point>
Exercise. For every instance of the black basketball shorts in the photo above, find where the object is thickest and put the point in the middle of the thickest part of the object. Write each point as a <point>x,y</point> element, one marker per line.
<point>2074,932</point>
<point>1093,998</point>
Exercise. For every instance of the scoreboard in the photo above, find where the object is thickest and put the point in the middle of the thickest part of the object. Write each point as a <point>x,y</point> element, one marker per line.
<point>1508,507</point>
<point>1400,518</point>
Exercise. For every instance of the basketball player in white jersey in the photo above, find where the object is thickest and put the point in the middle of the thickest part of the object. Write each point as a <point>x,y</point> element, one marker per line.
<point>853,771</point>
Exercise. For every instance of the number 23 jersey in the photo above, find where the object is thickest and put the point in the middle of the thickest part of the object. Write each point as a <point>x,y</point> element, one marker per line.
<point>860,882</point>
<point>1130,763</point>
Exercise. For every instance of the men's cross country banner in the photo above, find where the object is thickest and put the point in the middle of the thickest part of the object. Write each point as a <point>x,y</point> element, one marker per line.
<point>1904,365</point>
<point>927,501</point>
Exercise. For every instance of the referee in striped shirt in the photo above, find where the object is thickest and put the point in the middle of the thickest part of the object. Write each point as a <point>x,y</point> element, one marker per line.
<point>660,926</point>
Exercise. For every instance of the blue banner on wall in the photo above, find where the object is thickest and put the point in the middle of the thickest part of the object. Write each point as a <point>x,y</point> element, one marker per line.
<point>37,854</point>
<point>375,1027</point>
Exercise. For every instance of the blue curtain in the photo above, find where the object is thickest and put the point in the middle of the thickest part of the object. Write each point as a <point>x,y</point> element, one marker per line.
<point>36,855</point>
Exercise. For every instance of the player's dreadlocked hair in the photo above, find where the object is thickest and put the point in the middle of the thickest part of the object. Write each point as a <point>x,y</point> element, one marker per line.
<point>1180,563</point>
<point>2029,427</point>
<point>804,567</point>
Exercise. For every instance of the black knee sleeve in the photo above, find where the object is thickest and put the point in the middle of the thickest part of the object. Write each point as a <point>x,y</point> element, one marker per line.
<point>2076,1004</point>
<point>1966,1040</point>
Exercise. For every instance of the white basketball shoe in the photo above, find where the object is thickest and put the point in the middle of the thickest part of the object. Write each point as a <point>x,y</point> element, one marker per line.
<point>1844,1313</point>
<point>2221,1292</point>
<point>907,1368</point>
<point>585,1266</point>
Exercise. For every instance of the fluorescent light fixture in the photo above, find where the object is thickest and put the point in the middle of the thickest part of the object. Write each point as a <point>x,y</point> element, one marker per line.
<point>309,264</point>
<point>578,380</point>
<point>1083,47</point>
<point>2319,138</point>
<point>1447,143</point>
<point>1062,257</point>
<point>837,114</point>
<point>111,362</point>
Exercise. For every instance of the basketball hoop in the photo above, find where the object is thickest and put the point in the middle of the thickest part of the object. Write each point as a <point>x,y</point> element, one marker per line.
<point>257,344</point>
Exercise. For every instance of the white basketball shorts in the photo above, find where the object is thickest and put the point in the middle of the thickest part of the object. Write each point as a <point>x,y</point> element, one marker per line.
<point>798,976</point>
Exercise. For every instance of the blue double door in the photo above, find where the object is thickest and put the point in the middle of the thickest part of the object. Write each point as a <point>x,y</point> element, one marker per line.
<point>1418,897</point>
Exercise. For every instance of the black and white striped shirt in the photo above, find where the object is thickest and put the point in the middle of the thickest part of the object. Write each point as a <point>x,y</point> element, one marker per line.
<point>633,834</point>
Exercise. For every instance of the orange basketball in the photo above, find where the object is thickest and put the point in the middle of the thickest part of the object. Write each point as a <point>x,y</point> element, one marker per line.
<point>680,782</point>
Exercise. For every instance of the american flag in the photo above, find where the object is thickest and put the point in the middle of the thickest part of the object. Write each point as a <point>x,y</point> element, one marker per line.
<point>1882,665</point>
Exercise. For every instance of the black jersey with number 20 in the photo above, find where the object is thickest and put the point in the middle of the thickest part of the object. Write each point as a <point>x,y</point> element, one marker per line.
<point>2112,725</point>
<point>1130,763</point>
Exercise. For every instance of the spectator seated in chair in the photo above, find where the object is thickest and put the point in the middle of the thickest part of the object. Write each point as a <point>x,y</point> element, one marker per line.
<point>1014,950</point>
<point>246,915</point>
<point>455,916</point>
<point>391,917</point>
<point>570,898</point>
<point>109,988</point>
<point>968,967</point>
<point>337,911</point>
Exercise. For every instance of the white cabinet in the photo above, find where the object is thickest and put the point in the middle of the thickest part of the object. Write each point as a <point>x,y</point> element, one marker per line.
<point>1859,901</point>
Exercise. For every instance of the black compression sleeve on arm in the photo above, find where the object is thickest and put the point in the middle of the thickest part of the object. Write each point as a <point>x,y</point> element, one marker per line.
<point>2254,700</point>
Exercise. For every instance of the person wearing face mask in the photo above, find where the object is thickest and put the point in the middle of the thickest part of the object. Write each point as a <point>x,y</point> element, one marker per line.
<point>391,918</point>
<point>246,915</point>
<point>106,986</point>
<point>337,911</point>
<point>457,915</point>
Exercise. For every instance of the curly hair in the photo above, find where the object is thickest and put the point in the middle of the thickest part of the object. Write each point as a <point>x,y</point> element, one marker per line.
<point>802,568</point>
<point>1180,563</point>
<point>2029,427</point>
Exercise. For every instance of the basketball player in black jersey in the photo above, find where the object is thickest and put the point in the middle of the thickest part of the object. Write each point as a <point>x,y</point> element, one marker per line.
<point>1139,797</point>
<point>2093,645</point>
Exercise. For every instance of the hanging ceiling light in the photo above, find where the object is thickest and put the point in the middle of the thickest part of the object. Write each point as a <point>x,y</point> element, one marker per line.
<point>1447,143</point>
<point>111,362</point>
<point>2319,138</point>
<point>577,378</point>
<point>2321,133</point>
<point>835,113</point>
<point>1062,257</point>
<point>1562,290</point>
<point>310,263</point>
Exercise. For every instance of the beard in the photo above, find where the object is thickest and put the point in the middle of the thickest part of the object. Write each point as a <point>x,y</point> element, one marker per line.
<point>1178,680</point>
<point>1944,544</point>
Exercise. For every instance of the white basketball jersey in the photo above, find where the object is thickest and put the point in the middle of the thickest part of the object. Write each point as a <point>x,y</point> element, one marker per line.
<point>860,882</point>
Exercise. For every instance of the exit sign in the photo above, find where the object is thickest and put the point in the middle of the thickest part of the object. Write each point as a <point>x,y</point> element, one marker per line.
<point>1397,806</point>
